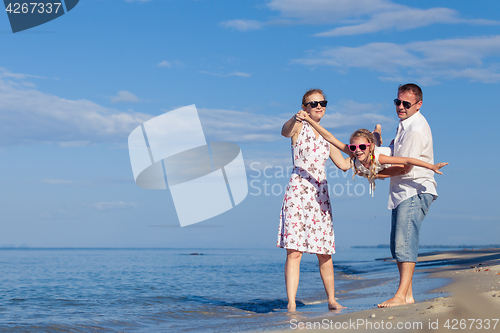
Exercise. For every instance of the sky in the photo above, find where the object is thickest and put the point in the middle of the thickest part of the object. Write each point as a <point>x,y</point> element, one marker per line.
<point>73,89</point>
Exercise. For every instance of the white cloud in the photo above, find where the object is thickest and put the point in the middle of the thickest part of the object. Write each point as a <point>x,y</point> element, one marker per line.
<point>165,63</point>
<point>240,74</point>
<point>57,181</point>
<point>171,64</point>
<point>125,96</point>
<point>238,126</point>
<point>402,19</point>
<point>113,205</point>
<point>29,116</point>
<point>329,11</point>
<point>354,17</point>
<point>426,61</point>
<point>242,25</point>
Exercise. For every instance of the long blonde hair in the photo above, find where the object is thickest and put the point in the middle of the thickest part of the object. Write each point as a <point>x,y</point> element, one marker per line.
<point>364,133</point>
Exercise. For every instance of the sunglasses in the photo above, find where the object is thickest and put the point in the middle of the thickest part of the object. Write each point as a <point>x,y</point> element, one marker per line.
<point>361,147</point>
<point>315,103</point>
<point>406,104</point>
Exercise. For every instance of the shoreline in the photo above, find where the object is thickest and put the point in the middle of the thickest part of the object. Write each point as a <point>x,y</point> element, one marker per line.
<point>471,301</point>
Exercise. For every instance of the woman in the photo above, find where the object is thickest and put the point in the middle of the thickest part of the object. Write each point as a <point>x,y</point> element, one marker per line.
<point>306,218</point>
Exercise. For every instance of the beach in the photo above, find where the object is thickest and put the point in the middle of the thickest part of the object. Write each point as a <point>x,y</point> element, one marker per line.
<point>235,290</point>
<point>470,302</point>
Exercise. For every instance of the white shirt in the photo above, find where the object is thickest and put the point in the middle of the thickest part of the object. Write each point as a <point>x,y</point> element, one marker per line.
<point>413,139</point>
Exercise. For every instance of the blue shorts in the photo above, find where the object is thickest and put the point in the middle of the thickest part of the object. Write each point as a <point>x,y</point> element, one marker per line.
<point>407,218</point>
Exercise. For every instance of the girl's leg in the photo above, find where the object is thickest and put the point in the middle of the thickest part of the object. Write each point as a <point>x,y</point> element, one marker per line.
<point>377,133</point>
<point>292,272</point>
<point>326,271</point>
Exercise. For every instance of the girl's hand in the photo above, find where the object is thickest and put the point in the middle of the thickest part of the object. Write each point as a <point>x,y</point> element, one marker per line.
<point>298,117</point>
<point>302,115</point>
<point>438,166</point>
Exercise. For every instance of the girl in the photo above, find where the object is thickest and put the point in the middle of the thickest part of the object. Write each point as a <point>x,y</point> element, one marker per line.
<point>306,218</point>
<point>366,158</point>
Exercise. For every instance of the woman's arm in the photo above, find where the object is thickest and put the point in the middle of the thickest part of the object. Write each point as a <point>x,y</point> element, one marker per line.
<point>384,159</point>
<point>327,135</point>
<point>291,127</point>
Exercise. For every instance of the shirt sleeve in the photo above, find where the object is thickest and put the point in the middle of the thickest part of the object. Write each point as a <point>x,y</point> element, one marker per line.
<point>414,144</point>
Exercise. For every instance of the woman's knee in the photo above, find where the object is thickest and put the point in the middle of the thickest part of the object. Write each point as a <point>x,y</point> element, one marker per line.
<point>324,257</point>
<point>293,254</point>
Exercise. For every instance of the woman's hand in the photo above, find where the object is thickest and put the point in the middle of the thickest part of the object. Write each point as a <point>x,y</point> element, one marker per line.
<point>438,166</point>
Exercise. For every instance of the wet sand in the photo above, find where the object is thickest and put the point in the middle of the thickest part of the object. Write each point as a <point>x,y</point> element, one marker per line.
<point>472,301</point>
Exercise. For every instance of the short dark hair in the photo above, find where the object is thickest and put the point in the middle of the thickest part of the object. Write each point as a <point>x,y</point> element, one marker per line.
<point>310,92</point>
<point>411,87</point>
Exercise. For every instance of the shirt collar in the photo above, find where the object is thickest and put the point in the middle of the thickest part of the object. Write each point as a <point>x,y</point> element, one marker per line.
<point>408,121</point>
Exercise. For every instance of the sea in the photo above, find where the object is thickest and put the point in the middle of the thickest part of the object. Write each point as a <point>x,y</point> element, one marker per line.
<point>183,290</point>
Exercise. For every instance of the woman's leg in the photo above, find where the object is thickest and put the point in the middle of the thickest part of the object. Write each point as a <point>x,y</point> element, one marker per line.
<point>326,271</point>
<point>292,272</point>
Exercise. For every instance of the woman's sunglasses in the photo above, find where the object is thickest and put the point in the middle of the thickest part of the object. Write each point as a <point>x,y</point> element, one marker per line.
<point>315,103</point>
<point>362,147</point>
<point>406,104</point>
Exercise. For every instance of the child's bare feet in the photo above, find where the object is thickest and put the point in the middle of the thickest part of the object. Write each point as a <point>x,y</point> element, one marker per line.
<point>377,133</point>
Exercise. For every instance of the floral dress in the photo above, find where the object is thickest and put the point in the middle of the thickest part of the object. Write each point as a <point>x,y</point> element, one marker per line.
<point>306,218</point>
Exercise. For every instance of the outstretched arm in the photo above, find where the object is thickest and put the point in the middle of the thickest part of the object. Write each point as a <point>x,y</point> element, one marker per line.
<point>394,170</point>
<point>383,159</point>
<point>342,163</point>
<point>324,133</point>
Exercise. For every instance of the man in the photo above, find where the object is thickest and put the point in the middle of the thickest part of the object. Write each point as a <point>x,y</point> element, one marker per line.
<point>412,189</point>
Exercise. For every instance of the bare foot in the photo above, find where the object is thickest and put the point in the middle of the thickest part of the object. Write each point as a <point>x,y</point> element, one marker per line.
<point>335,306</point>
<point>291,307</point>
<point>395,301</point>
<point>409,300</point>
<point>377,133</point>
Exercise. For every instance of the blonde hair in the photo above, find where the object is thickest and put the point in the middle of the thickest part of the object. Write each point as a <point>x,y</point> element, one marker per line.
<point>364,133</point>
<point>310,92</point>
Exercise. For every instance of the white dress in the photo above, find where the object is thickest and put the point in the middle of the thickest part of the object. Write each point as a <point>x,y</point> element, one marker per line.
<point>306,217</point>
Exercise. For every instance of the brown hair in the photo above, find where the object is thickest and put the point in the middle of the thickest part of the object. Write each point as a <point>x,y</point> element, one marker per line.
<point>413,88</point>
<point>364,133</point>
<point>310,92</point>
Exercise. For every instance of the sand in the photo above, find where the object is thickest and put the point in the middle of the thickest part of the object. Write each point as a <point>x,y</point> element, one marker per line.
<point>473,304</point>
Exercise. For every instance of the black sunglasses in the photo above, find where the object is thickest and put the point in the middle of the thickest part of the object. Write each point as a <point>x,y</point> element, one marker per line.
<point>315,103</point>
<point>362,147</point>
<point>406,104</point>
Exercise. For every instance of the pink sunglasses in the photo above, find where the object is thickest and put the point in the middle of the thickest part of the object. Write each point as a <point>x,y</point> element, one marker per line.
<point>361,147</point>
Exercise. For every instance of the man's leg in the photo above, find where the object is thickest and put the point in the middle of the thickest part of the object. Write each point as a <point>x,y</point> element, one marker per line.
<point>405,229</point>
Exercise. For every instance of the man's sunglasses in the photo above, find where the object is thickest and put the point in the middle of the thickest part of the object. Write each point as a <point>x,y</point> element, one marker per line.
<point>362,147</point>
<point>406,104</point>
<point>315,103</point>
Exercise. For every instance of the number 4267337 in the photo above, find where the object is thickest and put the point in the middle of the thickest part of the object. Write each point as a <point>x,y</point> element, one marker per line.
<point>33,7</point>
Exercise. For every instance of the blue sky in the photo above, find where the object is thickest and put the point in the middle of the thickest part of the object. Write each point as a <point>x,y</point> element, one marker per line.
<point>73,89</point>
